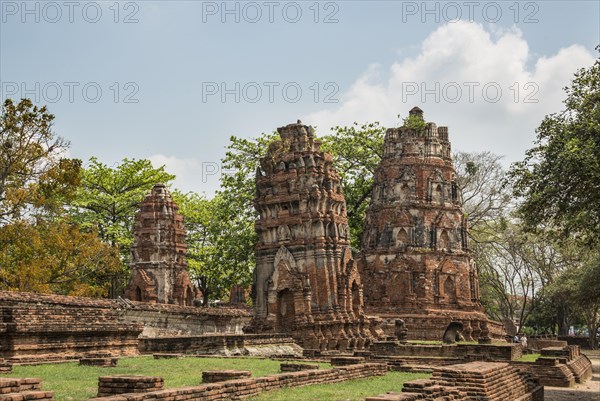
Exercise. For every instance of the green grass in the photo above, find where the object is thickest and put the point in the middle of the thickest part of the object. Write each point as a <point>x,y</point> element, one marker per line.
<point>528,358</point>
<point>72,382</point>
<point>351,390</point>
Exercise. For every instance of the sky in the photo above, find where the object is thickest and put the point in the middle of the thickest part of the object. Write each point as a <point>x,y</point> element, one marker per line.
<point>171,81</point>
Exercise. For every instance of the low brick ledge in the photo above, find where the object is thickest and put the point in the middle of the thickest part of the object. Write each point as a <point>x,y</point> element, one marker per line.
<point>102,362</point>
<point>214,376</point>
<point>244,388</point>
<point>125,384</point>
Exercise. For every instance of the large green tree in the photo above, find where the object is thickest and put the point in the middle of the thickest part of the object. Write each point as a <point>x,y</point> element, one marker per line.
<point>35,177</point>
<point>559,180</point>
<point>218,252</point>
<point>55,256</point>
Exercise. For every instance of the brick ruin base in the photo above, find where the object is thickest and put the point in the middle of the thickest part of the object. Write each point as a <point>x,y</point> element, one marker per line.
<point>559,366</point>
<point>492,381</point>
<point>297,367</point>
<point>50,327</point>
<point>37,328</point>
<point>224,344</point>
<point>112,385</point>
<point>244,388</point>
<point>5,366</point>
<point>504,352</point>
<point>537,344</point>
<point>215,376</point>
<point>13,389</point>
<point>433,324</point>
<point>103,362</point>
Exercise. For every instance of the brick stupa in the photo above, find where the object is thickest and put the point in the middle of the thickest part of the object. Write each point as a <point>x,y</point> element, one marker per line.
<point>306,282</point>
<point>159,268</point>
<point>415,260</point>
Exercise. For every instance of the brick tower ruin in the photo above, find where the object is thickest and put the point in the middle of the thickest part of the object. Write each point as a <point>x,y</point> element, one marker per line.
<point>306,282</point>
<point>415,261</point>
<point>159,269</point>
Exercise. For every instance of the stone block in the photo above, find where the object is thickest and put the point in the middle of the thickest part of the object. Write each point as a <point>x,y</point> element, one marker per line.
<point>214,376</point>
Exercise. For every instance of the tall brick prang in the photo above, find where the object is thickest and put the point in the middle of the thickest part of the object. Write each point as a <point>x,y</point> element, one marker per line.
<point>306,282</point>
<point>415,261</point>
<point>159,268</point>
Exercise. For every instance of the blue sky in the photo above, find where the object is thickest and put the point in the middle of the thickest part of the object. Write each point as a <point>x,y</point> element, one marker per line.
<point>172,80</point>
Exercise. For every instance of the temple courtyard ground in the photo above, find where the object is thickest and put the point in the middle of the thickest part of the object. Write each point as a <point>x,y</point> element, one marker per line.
<point>72,382</point>
<point>588,391</point>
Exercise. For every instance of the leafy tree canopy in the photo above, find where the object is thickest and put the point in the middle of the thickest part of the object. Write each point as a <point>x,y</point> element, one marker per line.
<point>559,180</point>
<point>54,257</point>
<point>34,175</point>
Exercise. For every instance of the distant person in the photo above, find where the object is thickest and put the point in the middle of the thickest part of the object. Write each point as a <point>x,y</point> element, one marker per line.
<point>516,339</point>
<point>524,341</point>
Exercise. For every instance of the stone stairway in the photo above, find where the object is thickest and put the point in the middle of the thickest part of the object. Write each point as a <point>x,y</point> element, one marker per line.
<point>13,389</point>
<point>474,381</point>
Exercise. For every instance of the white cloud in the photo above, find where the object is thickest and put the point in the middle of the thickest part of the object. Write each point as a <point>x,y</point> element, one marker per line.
<point>455,79</point>
<point>190,174</point>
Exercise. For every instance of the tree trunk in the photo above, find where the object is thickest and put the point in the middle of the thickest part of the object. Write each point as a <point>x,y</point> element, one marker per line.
<point>562,319</point>
<point>205,297</point>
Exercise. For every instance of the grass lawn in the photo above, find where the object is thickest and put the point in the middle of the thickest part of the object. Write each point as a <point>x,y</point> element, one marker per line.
<point>351,390</point>
<point>72,382</point>
<point>529,358</point>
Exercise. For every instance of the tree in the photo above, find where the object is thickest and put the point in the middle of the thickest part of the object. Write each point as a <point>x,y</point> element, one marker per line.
<point>54,257</point>
<point>357,151</point>
<point>559,179</point>
<point>218,254</point>
<point>33,174</point>
<point>108,199</point>
<point>485,195</point>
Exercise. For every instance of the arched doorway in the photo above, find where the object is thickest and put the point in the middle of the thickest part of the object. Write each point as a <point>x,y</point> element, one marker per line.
<point>138,294</point>
<point>286,310</point>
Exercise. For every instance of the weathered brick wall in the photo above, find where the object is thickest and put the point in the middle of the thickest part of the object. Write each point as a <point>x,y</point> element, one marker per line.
<point>171,320</point>
<point>112,385</point>
<point>559,366</point>
<point>36,327</point>
<point>504,352</point>
<point>244,388</point>
<point>48,327</point>
<point>297,367</point>
<point>5,366</point>
<point>215,376</point>
<point>224,344</point>
<point>583,342</point>
<point>539,343</point>
<point>16,389</point>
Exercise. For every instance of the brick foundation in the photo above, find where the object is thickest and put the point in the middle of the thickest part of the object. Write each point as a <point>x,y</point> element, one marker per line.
<point>215,376</point>
<point>224,344</point>
<point>559,366</point>
<point>504,352</point>
<point>50,327</point>
<point>244,388</point>
<point>103,362</point>
<point>13,389</point>
<point>297,367</point>
<point>492,381</point>
<point>112,385</point>
<point>346,360</point>
<point>5,366</point>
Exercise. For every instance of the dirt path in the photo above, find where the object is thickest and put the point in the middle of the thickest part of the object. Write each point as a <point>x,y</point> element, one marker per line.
<point>588,391</point>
